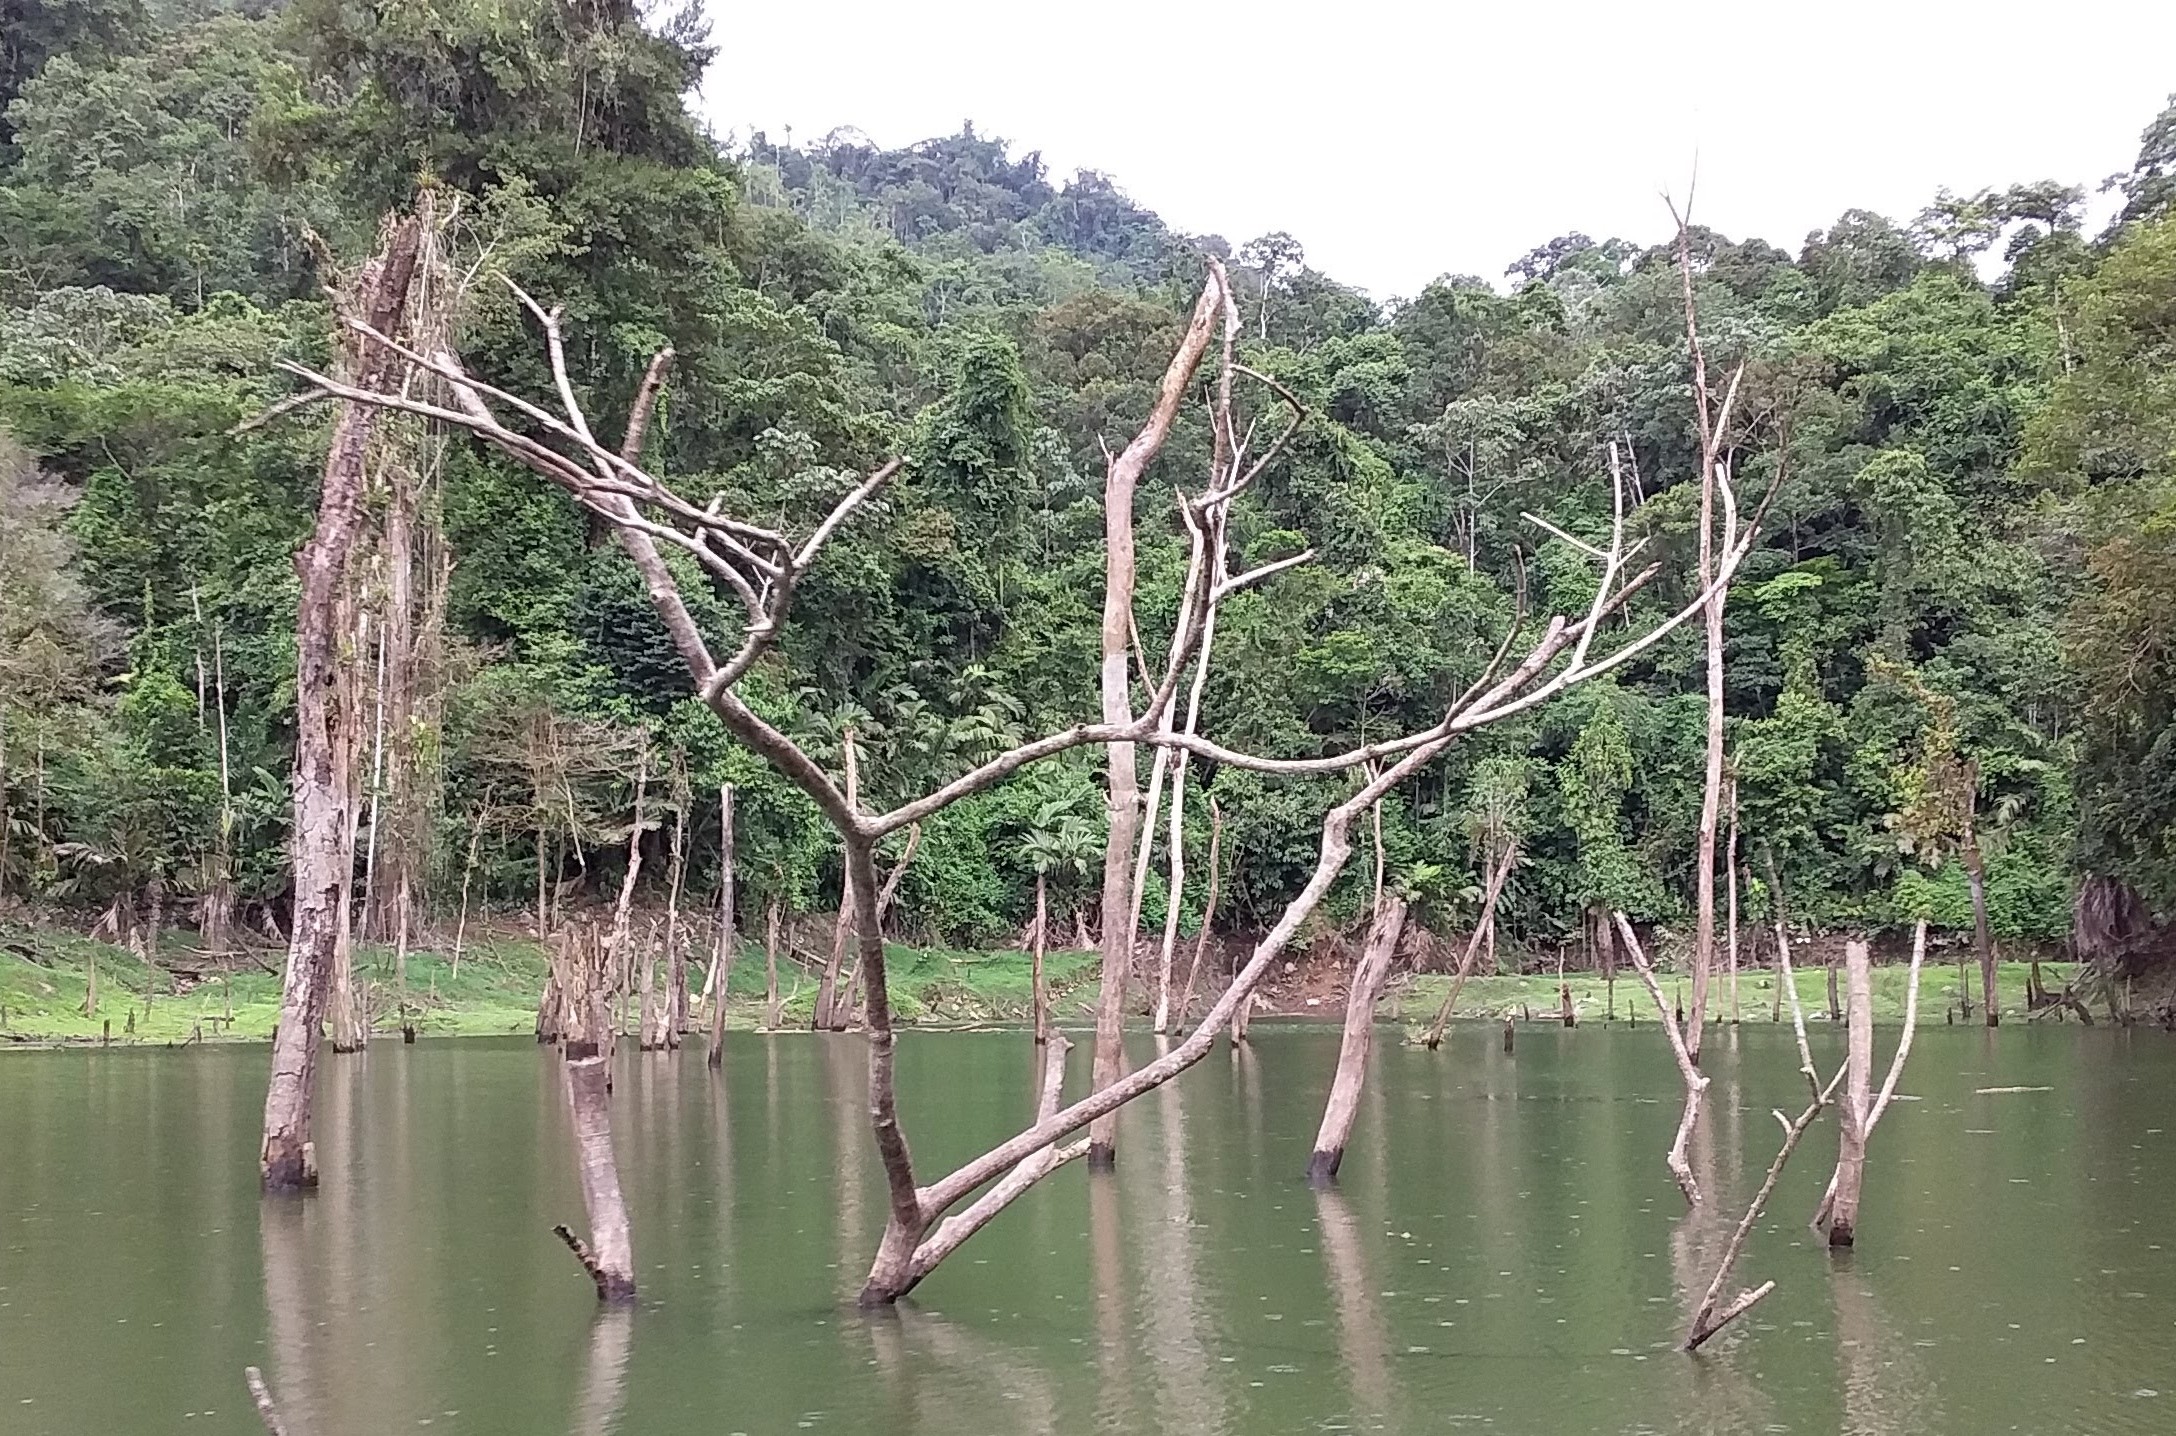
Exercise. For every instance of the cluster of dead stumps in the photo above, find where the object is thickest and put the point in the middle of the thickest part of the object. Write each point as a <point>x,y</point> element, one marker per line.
<point>391,362</point>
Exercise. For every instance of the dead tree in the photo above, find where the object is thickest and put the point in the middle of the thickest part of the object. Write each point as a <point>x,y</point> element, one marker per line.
<point>1039,996</point>
<point>1713,423</point>
<point>770,966</point>
<point>1121,798</point>
<point>1837,1216</point>
<point>1712,1314</point>
<point>1481,930</point>
<point>825,1017</point>
<point>1696,1082</point>
<point>1359,1039</point>
<point>721,965</point>
<point>1208,912</point>
<point>582,965</point>
<point>322,866</point>
<point>764,569</point>
<point>676,959</point>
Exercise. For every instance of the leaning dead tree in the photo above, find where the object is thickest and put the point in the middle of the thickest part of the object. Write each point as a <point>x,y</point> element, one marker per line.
<point>1837,1217</point>
<point>1696,1081</point>
<point>323,830</point>
<point>764,567</point>
<point>1385,928</point>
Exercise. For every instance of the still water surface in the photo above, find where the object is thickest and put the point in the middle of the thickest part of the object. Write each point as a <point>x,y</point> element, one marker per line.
<point>1508,1254</point>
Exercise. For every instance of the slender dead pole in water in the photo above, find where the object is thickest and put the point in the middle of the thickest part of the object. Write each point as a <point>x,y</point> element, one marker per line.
<point>721,965</point>
<point>322,864</point>
<point>1711,1316</point>
<point>676,958</point>
<point>770,966</point>
<point>1837,1216</point>
<point>1696,1083</point>
<point>1730,860</point>
<point>1040,997</point>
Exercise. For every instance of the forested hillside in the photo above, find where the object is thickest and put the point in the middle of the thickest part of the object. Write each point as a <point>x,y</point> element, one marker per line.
<point>1969,567</point>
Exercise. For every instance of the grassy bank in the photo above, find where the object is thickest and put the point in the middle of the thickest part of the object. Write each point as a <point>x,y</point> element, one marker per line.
<point>46,974</point>
<point>1417,1000</point>
<point>45,977</point>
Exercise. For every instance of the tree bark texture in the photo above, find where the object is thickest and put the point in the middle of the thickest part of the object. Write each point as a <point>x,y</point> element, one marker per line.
<point>322,801</point>
<point>1856,1106</point>
<point>581,965</point>
<point>1121,798</point>
<point>1359,1040</point>
<point>721,966</point>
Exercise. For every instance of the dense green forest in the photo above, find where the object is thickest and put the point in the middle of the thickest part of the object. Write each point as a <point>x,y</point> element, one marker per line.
<point>1973,551</point>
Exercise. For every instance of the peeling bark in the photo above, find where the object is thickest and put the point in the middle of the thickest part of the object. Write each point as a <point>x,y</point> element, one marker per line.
<point>580,964</point>
<point>288,1157</point>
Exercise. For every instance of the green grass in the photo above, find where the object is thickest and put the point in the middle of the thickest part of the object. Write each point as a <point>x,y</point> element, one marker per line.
<point>44,974</point>
<point>1491,997</point>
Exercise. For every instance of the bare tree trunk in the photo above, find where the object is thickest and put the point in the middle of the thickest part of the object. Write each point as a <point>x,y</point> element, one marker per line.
<point>468,872</point>
<point>676,962</point>
<point>825,1016</point>
<point>1358,1041</point>
<point>1122,803</point>
<point>1208,913</point>
<point>1975,872</point>
<point>721,966</point>
<point>616,950</point>
<point>1730,860</point>
<point>288,1158</point>
<point>1852,1115</point>
<point>770,966</point>
<point>1481,931</point>
<point>1042,929</point>
<point>1835,1001</point>
<point>580,965</point>
<point>1824,1214</point>
<point>1696,1082</point>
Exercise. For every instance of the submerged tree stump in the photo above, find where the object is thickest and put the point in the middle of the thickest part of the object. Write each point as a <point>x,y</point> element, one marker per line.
<point>1358,1041</point>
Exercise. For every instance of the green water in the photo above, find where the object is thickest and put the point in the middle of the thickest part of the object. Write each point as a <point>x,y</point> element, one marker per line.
<point>1508,1254</point>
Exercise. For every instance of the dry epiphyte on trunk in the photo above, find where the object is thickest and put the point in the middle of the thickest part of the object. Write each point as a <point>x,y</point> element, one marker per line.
<point>763,568</point>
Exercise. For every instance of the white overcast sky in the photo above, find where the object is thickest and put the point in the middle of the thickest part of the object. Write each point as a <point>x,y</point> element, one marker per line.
<point>1400,142</point>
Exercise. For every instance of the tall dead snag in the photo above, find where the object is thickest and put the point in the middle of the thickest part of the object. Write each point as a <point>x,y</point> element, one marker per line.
<point>322,801</point>
<point>1696,1082</point>
<point>1122,794</point>
<point>1838,1214</point>
<point>764,569</point>
<point>1359,1040</point>
<point>582,965</point>
<point>1713,423</point>
<point>721,964</point>
<point>1713,1314</point>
